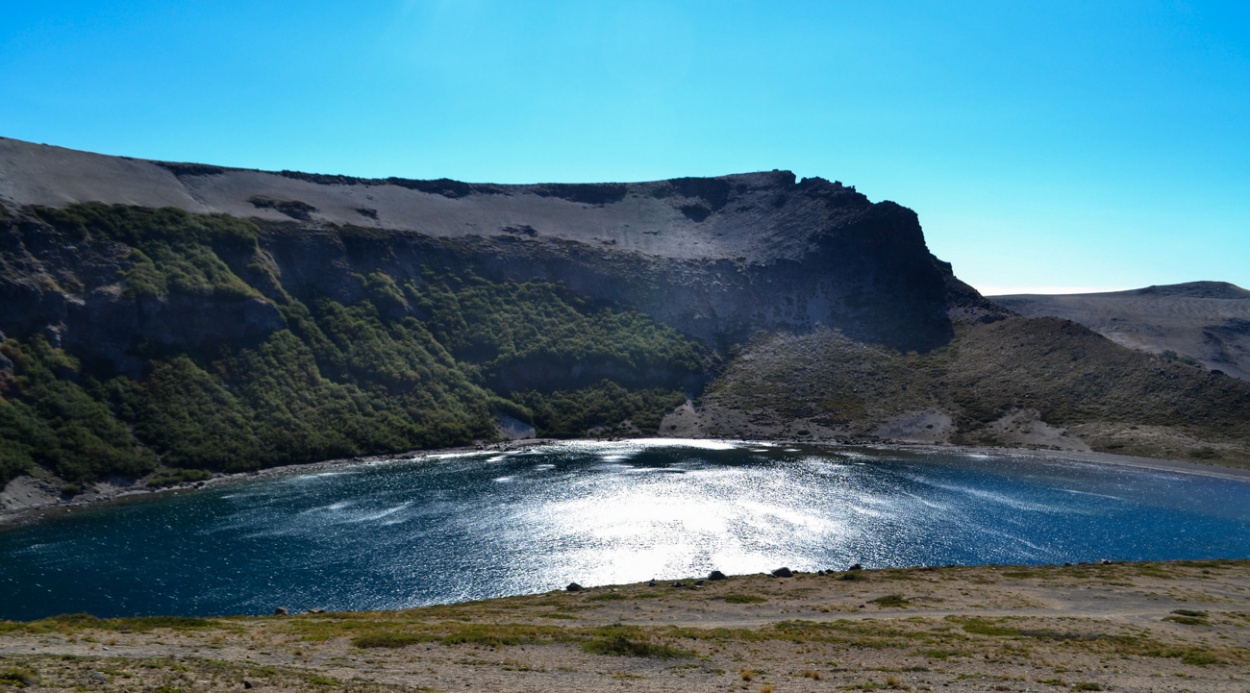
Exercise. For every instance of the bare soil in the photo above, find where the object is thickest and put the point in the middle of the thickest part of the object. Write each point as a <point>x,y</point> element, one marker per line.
<point>1208,322</point>
<point>1124,627</point>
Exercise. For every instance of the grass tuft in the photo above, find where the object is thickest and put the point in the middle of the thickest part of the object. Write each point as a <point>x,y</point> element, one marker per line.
<point>744,599</point>
<point>891,600</point>
<point>18,677</point>
<point>622,646</point>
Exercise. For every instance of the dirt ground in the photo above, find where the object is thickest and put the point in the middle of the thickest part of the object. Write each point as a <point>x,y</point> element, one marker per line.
<point>1175,626</point>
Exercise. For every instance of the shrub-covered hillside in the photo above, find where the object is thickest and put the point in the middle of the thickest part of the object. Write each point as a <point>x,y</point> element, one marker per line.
<point>1008,382</point>
<point>417,361</point>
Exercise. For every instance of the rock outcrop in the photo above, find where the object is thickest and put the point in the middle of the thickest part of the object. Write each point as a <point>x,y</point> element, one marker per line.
<point>717,258</point>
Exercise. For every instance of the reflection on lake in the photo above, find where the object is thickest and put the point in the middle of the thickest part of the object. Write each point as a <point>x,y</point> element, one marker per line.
<point>450,528</point>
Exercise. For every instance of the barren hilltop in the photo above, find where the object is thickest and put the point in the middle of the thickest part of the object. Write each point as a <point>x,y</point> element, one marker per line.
<point>1205,322</point>
<point>168,321</point>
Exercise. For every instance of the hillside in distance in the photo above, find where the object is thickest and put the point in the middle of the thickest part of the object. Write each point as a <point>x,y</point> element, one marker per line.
<point>1207,322</point>
<point>165,321</point>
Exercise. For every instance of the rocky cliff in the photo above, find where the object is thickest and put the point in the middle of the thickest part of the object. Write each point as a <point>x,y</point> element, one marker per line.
<point>716,258</point>
<point>176,318</point>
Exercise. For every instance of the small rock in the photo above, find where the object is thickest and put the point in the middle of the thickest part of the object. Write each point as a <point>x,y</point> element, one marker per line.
<point>698,583</point>
<point>247,684</point>
<point>783,573</point>
<point>856,567</point>
<point>98,677</point>
<point>652,583</point>
<point>280,611</point>
<point>716,575</point>
<point>574,587</point>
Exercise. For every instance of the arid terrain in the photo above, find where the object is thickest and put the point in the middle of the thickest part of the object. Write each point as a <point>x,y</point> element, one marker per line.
<point>1206,322</point>
<point>1176,626</point>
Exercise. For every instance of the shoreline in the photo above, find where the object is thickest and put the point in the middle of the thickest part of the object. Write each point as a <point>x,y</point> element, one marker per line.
<point>112,492</point>
<point>1115,626</point>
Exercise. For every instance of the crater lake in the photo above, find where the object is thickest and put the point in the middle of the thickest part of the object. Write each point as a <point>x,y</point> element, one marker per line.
<point>436,528</point>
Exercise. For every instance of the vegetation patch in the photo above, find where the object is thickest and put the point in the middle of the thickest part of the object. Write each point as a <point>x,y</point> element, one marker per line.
<point>418,361</point>
<point>744,599</point>
<point>623,646</point>
<point>174,477</point>
<point>19,677</point>
<point>891,601</point>
<point>390,640</point>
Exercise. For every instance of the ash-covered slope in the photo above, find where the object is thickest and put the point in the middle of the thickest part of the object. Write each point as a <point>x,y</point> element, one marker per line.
<point>1208,322</point>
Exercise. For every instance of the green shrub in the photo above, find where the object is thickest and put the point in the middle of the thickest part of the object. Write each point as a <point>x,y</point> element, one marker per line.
<point>19,676</point>
<point>622,646</point>
<point>744,599</point>
<point>389,640</point>
<point>173,477</point>
<point>891,600</point>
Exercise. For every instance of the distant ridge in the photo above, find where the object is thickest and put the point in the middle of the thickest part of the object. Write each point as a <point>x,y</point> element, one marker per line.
<point>1222,290</point>
<point>1199,289</point>
<point>1204,321</point>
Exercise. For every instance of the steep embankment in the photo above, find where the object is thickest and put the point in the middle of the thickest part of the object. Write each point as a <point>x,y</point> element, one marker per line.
<point>1206,322</point>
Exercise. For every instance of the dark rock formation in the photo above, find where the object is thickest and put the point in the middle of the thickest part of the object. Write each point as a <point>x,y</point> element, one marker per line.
<point>717,258</point>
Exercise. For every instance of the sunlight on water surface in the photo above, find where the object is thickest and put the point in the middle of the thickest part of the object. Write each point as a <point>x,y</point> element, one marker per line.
<point>449,527</point>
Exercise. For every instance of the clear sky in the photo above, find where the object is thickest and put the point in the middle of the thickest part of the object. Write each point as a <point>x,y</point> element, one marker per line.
<point>1045,145</point>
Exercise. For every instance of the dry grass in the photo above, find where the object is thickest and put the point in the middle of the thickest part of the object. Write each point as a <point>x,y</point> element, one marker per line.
<point>1120,627</point>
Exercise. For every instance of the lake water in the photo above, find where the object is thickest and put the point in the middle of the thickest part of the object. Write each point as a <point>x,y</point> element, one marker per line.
<point>433,529</point>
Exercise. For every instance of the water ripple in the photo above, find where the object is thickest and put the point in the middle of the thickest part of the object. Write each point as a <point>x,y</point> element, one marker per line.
<point>422,529</point>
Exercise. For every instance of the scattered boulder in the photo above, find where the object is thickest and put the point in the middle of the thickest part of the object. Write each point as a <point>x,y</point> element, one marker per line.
<point>856,567</point>
<point>652,583</point>
<point>783,573</point>
<point>280,611</point>
<point>716,575</point>
<point>574,587</point>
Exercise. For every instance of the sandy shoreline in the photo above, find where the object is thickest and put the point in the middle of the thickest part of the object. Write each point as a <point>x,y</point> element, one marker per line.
<point>27,500</point>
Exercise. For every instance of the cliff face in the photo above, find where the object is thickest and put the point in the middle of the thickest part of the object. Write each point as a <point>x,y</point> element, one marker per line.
<point>177,318</point>
<point>191,317</point>
<point>716,258</point>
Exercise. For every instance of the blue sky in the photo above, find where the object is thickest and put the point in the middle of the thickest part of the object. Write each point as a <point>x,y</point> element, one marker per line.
<point>1045,145</point>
